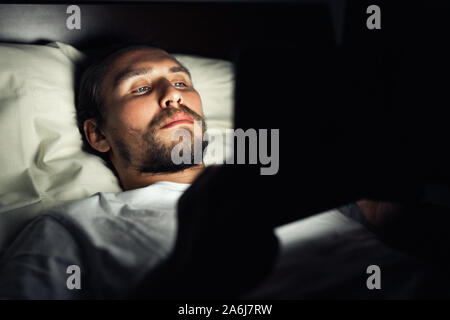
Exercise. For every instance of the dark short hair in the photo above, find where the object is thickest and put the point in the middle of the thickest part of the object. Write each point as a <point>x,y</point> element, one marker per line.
<point>89,101</point>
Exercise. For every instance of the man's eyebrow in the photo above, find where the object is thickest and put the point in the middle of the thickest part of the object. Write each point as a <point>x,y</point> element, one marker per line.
<point>180,69</point>
<point>127,74</point>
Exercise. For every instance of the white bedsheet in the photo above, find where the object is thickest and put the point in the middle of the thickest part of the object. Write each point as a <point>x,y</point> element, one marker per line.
<point>326,256</point>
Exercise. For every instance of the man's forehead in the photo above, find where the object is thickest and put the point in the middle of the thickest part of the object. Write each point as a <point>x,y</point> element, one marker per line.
<point>138,57</point>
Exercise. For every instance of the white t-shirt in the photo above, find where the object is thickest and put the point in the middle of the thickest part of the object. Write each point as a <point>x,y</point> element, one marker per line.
<point>38,263</point>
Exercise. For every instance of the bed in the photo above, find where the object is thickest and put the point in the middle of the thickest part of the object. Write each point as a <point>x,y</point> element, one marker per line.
<point>327,256</point>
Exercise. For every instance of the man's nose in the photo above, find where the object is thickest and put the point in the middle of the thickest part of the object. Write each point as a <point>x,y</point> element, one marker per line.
<point>171,97</point>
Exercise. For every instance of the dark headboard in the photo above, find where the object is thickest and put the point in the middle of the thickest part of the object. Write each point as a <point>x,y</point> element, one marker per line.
<point>212,29</point>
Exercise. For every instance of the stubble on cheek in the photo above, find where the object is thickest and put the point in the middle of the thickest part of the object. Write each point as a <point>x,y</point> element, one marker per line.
<point>128,145</point>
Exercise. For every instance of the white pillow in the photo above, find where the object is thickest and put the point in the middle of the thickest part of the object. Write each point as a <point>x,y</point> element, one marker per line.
<point>41,160</point>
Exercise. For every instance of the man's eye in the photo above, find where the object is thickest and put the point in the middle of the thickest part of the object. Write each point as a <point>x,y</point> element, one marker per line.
<point>141,89</point>
<point>180,84</point>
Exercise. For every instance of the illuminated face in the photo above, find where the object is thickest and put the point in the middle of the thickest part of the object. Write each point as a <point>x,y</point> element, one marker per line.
<point>147,96</point>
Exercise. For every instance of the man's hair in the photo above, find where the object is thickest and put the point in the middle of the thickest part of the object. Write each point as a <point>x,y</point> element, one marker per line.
<point>89,101</point>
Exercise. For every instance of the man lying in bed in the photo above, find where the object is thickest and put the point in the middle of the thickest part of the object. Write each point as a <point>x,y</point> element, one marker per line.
<point>161,237</point>
<point>129,106</point>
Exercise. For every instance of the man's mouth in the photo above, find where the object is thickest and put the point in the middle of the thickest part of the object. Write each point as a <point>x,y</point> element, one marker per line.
<point>179,118</point>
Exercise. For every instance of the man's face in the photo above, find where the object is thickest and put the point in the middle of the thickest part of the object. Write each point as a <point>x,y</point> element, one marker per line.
<point>147,97</point>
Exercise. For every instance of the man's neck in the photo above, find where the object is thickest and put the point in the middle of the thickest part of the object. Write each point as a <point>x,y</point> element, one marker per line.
<point>133,179</point>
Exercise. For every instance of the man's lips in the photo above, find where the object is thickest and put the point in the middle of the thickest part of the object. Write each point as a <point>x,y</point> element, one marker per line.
<point>179,118</point>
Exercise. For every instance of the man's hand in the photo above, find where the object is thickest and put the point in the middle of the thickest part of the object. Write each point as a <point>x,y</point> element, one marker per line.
<point>381,213</point>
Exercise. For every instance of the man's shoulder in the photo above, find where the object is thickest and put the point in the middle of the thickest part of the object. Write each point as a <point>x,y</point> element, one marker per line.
<point>156,201</point>
<point>78,206</point>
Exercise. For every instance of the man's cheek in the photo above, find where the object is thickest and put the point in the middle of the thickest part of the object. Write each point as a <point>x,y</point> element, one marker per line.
<point>138,111</point>
<point>136,119</point>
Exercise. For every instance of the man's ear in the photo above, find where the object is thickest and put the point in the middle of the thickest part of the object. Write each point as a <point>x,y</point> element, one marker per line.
<point>95,136</point>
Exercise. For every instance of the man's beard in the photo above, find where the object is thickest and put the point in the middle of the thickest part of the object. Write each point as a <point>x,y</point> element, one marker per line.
<point>155,154</point>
